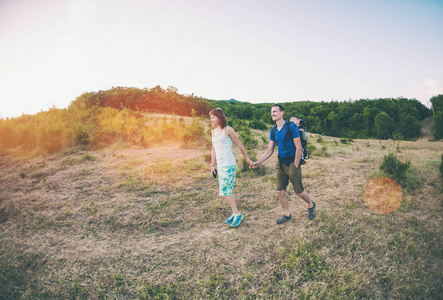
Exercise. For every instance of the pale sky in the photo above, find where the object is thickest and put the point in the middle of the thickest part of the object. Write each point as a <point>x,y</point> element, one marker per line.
<point>52,51</point>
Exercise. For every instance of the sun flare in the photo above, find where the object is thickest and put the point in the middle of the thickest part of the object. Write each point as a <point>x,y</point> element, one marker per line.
<point>383,195</point>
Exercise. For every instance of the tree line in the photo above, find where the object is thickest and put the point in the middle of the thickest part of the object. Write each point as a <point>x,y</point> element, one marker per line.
<point>378,118</point>
<point>97,119</point>
<point>365,118</point>
<point>155,99</point>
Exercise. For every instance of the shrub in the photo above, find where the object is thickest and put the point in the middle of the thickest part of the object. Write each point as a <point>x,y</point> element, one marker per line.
<point>193,134</point>
<point>441,177</point>
<point>346,140</point>
<point>394,168</point>
<point>248,141</point>
<point>441,167</point>
<point>164,130</point>
<point>237,124</point>
<point>311,148</point>
<point>314,151</point>
<point>437,126</point>
<point>322,152</point>
<point>258,124</point>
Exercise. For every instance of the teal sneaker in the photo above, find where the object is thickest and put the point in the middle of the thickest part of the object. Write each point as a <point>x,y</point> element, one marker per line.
<point>237,220</point>
<point>230,219</point>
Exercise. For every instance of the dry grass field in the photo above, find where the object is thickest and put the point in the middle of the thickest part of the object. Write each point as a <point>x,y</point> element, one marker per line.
<point>147,223</point>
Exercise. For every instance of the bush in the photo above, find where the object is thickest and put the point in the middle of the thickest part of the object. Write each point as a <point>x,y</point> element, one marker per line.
<point>394,168</point>
<point>312,148</point>
<point>441,177</point>
<point>93,128</point>
<point>437,126</point>
<point>193,134</point>
<point>322,152</point>
<point>345,141</point>
<point>248,141</point>
<point>258,124</point>
<point>441,167</point>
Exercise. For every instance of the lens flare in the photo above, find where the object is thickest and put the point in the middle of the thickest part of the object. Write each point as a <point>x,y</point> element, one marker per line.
<point>383,195</point>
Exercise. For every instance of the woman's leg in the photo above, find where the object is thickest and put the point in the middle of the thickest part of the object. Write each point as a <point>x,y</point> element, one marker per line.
<point>231,201</point>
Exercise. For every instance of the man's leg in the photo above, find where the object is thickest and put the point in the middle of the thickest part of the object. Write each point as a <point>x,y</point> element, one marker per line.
<point>284,202</point>
<point>305,196</point>
<point>311,205</point>
<point>299,190</point>
<point>282,182</point>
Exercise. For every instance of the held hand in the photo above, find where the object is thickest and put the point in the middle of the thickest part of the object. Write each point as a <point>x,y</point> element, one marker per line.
<point>251,164</point>
<point>254,165</point>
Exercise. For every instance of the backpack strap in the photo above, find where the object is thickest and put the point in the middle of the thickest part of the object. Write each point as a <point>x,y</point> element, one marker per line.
<point>288,132</point>
<point>273,132</point>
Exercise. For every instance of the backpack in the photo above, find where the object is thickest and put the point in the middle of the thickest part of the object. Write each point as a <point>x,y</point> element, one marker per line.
<point>288,136</point>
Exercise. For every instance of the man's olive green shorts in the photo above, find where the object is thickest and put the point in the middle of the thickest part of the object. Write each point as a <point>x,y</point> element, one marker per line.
<point>289,172</point>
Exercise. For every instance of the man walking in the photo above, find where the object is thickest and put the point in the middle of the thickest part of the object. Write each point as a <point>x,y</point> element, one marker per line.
<point>287,137</point>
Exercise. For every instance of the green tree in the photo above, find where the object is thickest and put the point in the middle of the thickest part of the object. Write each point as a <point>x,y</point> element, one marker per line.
<point>437,104</point>
<point>408,126</point>
<point>384,125</point>
<point>437,126</point>
<point>369,115</point>
<point>333,124</point>
<point>357,122</point>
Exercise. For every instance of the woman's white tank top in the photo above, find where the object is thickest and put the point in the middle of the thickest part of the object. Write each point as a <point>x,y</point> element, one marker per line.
<point>223,149</point>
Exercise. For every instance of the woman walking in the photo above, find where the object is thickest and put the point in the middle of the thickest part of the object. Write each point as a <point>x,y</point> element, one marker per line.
<point>222,138</point>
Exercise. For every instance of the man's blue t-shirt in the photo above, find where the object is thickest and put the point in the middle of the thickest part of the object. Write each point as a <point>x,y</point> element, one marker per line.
<point>280,140</point>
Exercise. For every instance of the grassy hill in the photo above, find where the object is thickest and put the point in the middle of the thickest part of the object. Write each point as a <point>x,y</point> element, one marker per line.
<point>147,223</point>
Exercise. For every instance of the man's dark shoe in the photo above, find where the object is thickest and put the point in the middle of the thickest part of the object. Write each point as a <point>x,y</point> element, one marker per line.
<point>311,211</point>
<point>284,219</point>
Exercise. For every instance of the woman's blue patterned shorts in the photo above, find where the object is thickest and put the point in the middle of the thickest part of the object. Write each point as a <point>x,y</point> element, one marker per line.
<point>226,179</point>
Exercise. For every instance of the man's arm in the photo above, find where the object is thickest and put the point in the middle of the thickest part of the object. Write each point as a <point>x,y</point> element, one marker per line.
<point>298,151</point>
<point>267,154</point>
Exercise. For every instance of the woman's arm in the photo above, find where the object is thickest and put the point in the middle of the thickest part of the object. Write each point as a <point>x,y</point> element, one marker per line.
<point>213,157</point>
<point>231,133</point>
